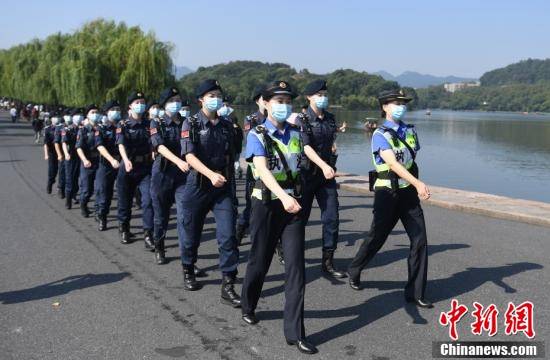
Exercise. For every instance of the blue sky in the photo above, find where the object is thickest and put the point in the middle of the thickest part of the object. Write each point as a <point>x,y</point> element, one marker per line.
<point>461,37</point>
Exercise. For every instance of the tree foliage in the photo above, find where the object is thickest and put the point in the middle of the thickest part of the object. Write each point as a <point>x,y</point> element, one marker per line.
<point>100,61</point>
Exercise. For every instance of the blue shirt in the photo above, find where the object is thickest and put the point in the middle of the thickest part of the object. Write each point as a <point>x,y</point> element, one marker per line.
<point>166,132</point>
<point>254,147</point>
<point>85,140</point>
<point>134,135</point>
<point>106,136</point>
<point>380,143</point>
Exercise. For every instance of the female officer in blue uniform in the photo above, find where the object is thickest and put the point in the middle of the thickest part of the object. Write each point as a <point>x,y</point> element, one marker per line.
<point>318,170</point>
<point>89,158</point>
<point>169,170</point>
<point>105,141</point>
<point>134,145</point>
<point>72,161</point>
<point>206,144</point>
<point>397,194</point>
<point>274,150</point>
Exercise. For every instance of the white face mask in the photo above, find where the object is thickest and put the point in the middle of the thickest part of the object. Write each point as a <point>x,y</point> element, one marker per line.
<point>55,120</point>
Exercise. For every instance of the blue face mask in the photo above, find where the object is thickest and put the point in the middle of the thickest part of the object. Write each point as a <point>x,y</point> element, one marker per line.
<point>161,113</point>
<point>93,118</point>
<point>105,120</point>
<point>398,112</point>
<point>281,112</point>
<point>154,112</point>
<point>77,119</point>
<point>113,115</point>
<point>225,111</point>
<point>67,119</point>
<point>321,102</point>
<point>185,113</point>
<point>173,107</point>
<point>138,108</point>
<point>213,104</point>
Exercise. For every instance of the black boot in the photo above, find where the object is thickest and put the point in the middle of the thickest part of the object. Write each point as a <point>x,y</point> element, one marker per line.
<point>189,281</point>
<point>68,203</point>
<point>125,235</point>
<point>159,252</point>
<point>240,234</point>
<point>199,272</point>
<point>229,296</point>
<point>49,188</point>
<point>102,223</point>
<point>84,211</point>
<point>60,193</point>
<point>327,265</point>
<point>148,239</point>
<point>280,254</point>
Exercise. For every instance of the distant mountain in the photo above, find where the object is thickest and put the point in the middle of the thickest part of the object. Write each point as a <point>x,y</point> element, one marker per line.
<point>530,71</point>
<point>417,80</point>
<point>182,71</point>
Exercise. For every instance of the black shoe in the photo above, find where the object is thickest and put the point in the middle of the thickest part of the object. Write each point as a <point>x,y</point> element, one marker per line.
<point>60,193</point>
<point>229,296</point>
<point>189,281</point>
<point>198,272</point>
<point>354,282</point>
<point>303,346</point>
<point>148,239</point>
<point>240,233</point>
<point>125,235</point>
<point>327,265</point>
<point>160,257</point>
<point>250,319</point>
<point>49,189</point>
<point>76,201</point>
<point>102,223</point>
<point>84,211</point>
<point>423,303</point>
<point>68,203</point>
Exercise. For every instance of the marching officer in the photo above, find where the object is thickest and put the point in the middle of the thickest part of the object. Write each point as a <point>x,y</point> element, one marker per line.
<point>397,194</point>
<point>72,161</point>
<point>89,158</point>
<point>319,168</point>
<point>134,145</point>
<point>250,122</point>
<point>105,142</point>
<point>206,143</point>
<point>169,169</point>
<point>64,120</point>
<point>274,150</point>
<point>50,154</point>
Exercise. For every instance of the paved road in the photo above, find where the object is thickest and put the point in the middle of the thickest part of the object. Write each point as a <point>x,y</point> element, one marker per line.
<point>115,303</point>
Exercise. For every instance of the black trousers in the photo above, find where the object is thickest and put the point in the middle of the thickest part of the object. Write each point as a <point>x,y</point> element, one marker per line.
<point>53,168</point>
<point>268,223</point>
<point>389,207</point>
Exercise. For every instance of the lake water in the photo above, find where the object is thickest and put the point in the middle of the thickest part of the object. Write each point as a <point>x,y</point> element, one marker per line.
<point>498,153</point>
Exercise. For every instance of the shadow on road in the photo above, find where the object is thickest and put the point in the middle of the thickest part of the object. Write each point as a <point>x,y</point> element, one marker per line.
<point>384,304</point>
<point>60,287</point>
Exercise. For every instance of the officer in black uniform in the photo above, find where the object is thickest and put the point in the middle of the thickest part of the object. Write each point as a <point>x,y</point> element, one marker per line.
<point>206,144</point>
<point>319,168</point>
<point>250,122</point>
<point>169,169</point>
<point>72,161</point>
<point>89,158</point>
<point>275,151</point>
<point>109,161</point>
<point>64,118</point>
<point>134,145</point>
<point>397,194</point>
<point>49,151</point>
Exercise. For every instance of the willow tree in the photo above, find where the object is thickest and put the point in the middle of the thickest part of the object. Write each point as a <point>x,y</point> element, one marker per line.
<point>100,61</point>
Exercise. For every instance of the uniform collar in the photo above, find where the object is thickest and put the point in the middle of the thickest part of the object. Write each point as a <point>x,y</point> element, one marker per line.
<point>313,116</point>
<point>205,120</point>
<point>272,129</point>
<point>392,125</point>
